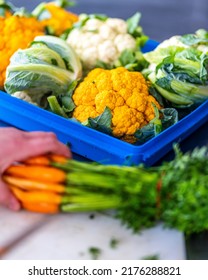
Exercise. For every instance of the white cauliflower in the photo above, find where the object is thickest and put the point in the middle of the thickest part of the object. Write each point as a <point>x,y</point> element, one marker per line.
<point>100,40</point>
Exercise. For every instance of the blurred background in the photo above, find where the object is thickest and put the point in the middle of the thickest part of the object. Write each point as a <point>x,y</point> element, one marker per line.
<point>160,20</point>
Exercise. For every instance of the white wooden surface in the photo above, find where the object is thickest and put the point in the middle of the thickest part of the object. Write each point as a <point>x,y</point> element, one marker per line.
<point>70,236</point>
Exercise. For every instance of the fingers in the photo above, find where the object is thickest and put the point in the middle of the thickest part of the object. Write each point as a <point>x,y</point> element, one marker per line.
<point>20,145</point>
<point>7,199</point>
<point>37,134</point>
<point>48,143</point>
<point>37,143</point>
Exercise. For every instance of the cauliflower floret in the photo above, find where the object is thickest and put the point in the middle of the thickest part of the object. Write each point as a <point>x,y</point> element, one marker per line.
<point>125,93</point>
<point>108,98</point>
<point>107,33</point>
<point>124,115</point>
<point>89,55</point>
<point>100,40</point>
<point>119,25</point>
<point>85,112</point>
<point>124,41</point>
<point>107,51</point>
<point>92,25</point>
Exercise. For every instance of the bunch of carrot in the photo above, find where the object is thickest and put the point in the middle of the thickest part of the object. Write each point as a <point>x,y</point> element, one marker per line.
<point>175,192</point>
<point>42,187</point>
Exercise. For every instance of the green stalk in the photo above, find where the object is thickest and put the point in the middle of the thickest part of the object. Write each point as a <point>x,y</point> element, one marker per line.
<point>77,190</point>
<point>175,193</point>
<point>55,106</point>
<point>91,205</point>
<point>89,198</point>
<point>91,179</point>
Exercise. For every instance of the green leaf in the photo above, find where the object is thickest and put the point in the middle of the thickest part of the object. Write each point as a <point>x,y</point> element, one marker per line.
<point>195,39</point>
<point>163,87</point>
<point>71,59</point>
<point>67,104</point>
<point>41,12</point>
<point>22,12</point>
<point>2,12</point>
<point>6,6</point>
<point>169,117</point>
<point>133,25</point>
<point>164,118</point>
<point>114,243</point>
<point>38,53</point>
<point>135,29</point>
<point>103,65</point>
<point>71,88</point>
<point>35,77</point>
<point>151,257</point>
<point>83,18</point>
<point>102,122</point>
<point>95,252</point>
<point>185,191</point>
<point>156,56</point>
<point>64,3</point>
<point>55,106</point>
<point>131,60</point>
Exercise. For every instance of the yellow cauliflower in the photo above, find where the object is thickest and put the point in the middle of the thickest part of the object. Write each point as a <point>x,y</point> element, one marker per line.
<point>124,92</point>
<point>54,16</point>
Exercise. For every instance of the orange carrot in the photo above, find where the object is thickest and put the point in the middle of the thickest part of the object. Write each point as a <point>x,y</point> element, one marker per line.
<point>36,196</point>
<point>26,184</point>
<point>40,173</point>
<point>38,160</point>
<point>58,158</point>
<point>47,208</point>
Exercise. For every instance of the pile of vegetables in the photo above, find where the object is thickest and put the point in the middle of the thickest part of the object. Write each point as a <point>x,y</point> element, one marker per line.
<point>174,193</point>
<point>18,27</point>
<point>90,69</point>
<point>115,101</point>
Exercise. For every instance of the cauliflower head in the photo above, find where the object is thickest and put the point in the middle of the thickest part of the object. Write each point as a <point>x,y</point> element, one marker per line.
<point>100,40</point>
<point>125,93</point>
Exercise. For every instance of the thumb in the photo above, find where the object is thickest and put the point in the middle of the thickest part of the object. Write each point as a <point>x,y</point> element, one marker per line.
<point>7,198</point>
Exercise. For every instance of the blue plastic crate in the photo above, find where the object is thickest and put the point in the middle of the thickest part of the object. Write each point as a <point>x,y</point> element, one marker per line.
<point>92,144</point>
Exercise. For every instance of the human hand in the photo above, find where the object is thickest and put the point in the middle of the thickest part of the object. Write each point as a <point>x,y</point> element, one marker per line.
<point>17,145</point>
